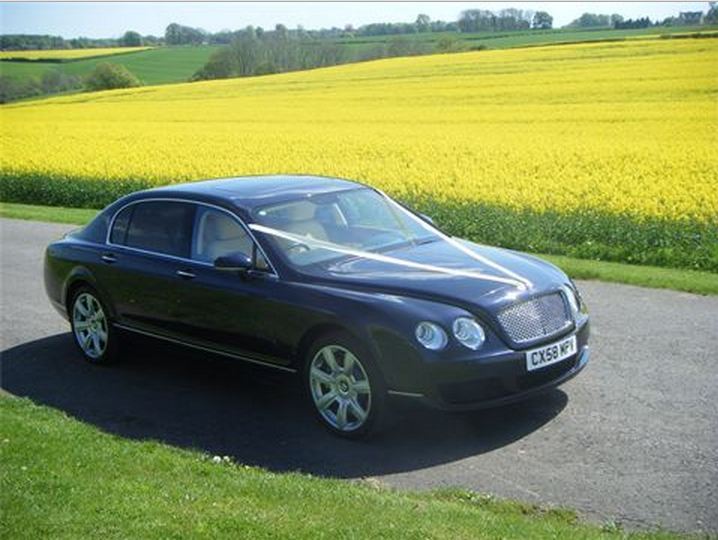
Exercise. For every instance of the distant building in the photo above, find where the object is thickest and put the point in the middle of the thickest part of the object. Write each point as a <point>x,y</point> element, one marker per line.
<point>691,17</point>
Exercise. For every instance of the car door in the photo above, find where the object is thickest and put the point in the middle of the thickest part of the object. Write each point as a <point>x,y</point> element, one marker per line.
<point>141,268</point>
<point>231,311</point>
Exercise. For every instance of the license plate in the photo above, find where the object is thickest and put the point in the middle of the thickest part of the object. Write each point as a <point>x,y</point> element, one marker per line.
<point>550,354</point>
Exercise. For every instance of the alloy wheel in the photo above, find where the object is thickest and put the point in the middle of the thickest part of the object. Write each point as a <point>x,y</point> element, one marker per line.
<point>89,324</point>
<point>340,388</point>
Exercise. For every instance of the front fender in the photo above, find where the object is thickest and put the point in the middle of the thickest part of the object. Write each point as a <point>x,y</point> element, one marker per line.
<point>386,324</point>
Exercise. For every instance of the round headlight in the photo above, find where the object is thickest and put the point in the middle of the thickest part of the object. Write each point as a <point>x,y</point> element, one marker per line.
<point>572,298</point>
<point>469,333</point>
<point>431,335</point>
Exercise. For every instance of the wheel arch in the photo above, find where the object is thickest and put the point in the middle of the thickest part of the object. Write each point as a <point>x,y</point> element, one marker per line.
<point>312,335</point>
<point>82,277</point>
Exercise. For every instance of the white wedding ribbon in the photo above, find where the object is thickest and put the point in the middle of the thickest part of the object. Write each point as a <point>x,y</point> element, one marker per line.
<point>459,246</point>
<point>514,280</point>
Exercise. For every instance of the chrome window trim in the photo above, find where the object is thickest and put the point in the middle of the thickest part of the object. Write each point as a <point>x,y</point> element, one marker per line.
<point>202,348</point>
<point>273,273</point>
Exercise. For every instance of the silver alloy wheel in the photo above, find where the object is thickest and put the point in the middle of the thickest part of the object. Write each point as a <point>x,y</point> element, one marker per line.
<point>90,325</point>
<point>340,388</point>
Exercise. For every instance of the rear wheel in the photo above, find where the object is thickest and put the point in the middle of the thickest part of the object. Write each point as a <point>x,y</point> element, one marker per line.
<point>344,386</point>
<point>91,327</point>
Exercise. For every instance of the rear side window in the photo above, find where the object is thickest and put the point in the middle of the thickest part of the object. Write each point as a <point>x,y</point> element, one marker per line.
<point>160,227</point>
<point>119,227</point>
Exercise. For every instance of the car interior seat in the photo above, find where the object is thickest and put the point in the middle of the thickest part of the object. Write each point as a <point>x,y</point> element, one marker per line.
<point>220,235</point>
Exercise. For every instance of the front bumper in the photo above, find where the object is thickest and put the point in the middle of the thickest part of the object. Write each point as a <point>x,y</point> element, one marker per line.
<point>482,384</point>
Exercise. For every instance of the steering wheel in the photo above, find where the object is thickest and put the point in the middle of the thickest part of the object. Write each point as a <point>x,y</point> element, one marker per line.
<point>298,245</point>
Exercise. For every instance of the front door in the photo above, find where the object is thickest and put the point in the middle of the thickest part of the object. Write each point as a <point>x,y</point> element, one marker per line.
<point>232,311</point>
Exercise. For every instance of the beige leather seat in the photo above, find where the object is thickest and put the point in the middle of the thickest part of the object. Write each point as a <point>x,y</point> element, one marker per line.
<point>302,222</point>
<point>220,235</point>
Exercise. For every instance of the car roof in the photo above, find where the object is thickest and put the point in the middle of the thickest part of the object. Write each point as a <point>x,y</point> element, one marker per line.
<point>250,192</point>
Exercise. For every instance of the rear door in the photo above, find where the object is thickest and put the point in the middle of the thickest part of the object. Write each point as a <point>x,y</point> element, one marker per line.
<point>149,244</point>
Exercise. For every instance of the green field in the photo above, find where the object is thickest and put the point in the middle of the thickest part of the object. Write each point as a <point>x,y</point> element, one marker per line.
<point>177,64</point>
<point>524,38</point>
<point>154,66</point>
<point>61,478</point>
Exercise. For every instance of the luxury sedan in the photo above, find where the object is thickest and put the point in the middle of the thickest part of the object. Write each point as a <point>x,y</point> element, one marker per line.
<point>364,299</point>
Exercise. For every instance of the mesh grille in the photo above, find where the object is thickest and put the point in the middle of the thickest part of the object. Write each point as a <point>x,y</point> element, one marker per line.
<point>540,317</point>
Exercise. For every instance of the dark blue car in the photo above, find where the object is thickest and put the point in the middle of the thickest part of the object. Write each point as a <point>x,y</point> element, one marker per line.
<point>364,299</point>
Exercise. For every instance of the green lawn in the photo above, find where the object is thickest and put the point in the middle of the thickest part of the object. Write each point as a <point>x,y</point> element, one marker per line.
<point>154,66</point>
<point>61,478</point>
<point>647,276</point>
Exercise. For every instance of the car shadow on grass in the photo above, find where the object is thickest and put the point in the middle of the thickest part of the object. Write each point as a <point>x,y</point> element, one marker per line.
<point>256,416</point>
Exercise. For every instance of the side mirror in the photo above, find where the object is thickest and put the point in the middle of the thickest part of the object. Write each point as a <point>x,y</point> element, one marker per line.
<point>427,219</point>
<point>234,261</point>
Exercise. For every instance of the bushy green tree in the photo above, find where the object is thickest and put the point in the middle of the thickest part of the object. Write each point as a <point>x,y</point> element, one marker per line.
<point>423,23</point>
<point>131,39</point>
<point>542,21</point>
<point>54,81</point>
<point>12,88</point>
<point>106,76</point>
<point>590,20</point>
<point>712,16</point>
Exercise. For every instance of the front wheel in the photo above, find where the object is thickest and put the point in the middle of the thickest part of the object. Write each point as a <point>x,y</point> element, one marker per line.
<point>344,386</point>
<point>91,327</point>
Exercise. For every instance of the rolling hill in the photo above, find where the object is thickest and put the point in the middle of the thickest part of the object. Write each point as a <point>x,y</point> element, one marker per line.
<point>160,65</point>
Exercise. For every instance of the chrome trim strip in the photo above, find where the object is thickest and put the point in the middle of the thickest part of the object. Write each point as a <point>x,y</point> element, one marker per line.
<point>201,348</point>
<point>405,394</point>
<point>183,259</point>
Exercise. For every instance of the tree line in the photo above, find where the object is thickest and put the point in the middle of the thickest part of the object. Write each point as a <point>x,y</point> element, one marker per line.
<point>29,42</point>
<point>258,52</point>
<point>594,20</point>
<point>470,20</point>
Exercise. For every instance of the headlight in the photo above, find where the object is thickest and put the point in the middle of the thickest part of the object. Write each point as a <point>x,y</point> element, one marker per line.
<point>469,333</point>
<point>431,335</point>
<point>572,298</point>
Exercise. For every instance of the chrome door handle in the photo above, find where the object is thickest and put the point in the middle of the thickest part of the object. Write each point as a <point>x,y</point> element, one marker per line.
<point>185,275</point>
<point>109,258</point>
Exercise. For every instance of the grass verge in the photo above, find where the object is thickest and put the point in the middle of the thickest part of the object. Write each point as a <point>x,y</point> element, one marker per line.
<point>52,214</point>
<point>64,479</point>
<point>647,276</point>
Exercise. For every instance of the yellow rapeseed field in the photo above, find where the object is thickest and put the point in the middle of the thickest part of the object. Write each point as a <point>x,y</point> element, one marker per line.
<point>627,128</point>
<point>68,54</point>
<point>622,127</point>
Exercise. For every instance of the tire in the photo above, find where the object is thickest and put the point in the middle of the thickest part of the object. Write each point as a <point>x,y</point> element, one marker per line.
<point>92,331</point>
<point>344,388</point>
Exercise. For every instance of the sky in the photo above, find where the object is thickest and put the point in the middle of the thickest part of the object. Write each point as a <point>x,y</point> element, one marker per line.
<point>96,20</point>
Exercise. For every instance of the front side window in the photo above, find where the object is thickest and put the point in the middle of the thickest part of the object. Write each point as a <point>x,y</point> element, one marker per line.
<point>217,234</point>
<point>156,226</point>
<point>314,229</point>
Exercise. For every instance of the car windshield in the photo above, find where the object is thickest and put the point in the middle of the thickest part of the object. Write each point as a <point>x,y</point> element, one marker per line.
<point>314,229</point>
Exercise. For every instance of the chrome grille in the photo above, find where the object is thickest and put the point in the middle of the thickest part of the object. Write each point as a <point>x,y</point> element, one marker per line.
<point>539,317</point>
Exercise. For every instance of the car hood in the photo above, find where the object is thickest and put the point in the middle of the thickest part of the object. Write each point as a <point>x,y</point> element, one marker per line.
<point>454,271</point>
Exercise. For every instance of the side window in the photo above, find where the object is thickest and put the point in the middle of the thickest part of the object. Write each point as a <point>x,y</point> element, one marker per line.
<point>218,234</point>
<point>162,227</point>
<point>119,227</point>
